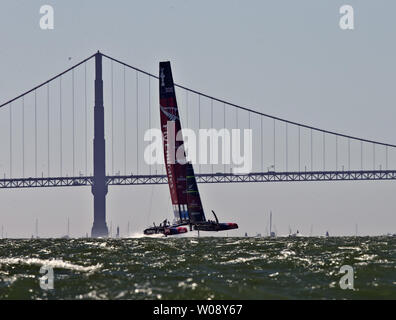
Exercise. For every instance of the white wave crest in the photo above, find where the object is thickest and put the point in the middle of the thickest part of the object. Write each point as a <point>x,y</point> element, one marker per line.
<point>54,263</point>
<point>138,235</point>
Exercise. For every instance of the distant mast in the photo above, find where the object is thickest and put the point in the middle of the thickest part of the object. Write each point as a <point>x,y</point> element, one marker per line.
<point>272,234</point>
<point>36,228</point>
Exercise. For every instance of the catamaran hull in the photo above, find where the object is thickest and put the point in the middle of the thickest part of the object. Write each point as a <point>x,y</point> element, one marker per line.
<point>168,231</point>
<point>174,231</point>
<point>215,226</point>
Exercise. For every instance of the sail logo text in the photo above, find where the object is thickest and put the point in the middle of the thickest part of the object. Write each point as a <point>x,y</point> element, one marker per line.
<point>221,146</point>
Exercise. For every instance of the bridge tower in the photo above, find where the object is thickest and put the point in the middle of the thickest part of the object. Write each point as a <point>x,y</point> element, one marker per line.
<point>99,186</point>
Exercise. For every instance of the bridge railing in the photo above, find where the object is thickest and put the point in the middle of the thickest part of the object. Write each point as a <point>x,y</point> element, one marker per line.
<point>204,178</point>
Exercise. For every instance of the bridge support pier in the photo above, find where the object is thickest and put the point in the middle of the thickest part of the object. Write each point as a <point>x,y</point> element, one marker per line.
<point>99,186</point>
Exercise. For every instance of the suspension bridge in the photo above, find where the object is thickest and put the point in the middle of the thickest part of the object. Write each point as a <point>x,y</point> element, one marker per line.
<point>46,134</point>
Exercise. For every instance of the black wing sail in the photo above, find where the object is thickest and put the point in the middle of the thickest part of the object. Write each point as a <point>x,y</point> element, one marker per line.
<point>175,170</point>
<point>186,201</point>
<point>195,209</point>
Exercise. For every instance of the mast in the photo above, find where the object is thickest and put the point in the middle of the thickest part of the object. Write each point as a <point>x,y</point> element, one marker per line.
<point>270,223</point>
<point>175,159</point>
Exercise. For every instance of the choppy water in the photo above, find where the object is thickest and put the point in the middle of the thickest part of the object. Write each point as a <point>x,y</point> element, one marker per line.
<point>204,268</point>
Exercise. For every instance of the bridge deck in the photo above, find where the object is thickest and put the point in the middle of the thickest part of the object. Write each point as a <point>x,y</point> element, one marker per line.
<point>204,178</point>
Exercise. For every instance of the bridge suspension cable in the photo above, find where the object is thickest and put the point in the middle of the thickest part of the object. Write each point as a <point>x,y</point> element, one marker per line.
<point>48,81</point>
<point>33,148</point>
<point>254,111</point>
<point>54,120</point>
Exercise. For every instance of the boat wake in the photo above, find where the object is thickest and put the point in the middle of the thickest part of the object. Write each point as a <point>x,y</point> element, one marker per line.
<point>138,235</point>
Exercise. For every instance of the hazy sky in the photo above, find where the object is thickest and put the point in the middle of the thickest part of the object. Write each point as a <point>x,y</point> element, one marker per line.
<point>285,58</point>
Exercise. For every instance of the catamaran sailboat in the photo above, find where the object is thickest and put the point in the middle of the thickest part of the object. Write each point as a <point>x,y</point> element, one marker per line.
<point>186,201</point>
